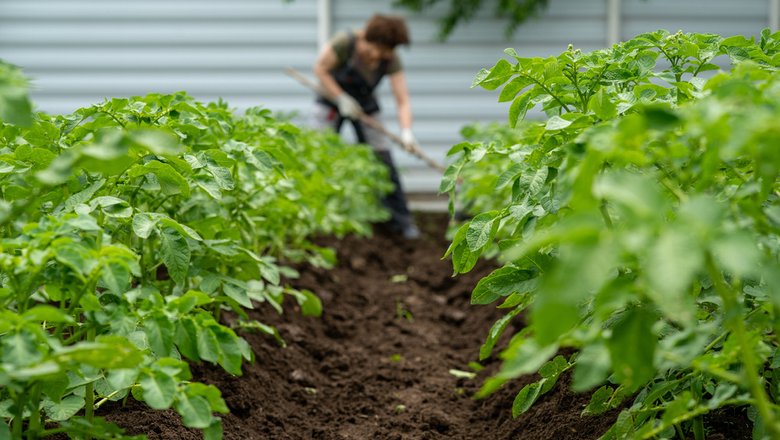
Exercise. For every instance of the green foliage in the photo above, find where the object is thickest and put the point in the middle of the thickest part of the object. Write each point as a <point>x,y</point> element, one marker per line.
<point>461,11</point>
<point>15,106</point>
<point>638,225</point>
<point>129,226</point>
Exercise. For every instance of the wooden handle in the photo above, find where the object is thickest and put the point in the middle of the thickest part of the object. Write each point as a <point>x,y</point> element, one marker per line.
<point>368,120</point>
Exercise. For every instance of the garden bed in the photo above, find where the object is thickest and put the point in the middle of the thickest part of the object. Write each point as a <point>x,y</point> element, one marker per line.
<point>376,365</point>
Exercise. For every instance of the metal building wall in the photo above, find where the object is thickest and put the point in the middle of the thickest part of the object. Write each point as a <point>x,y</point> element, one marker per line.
<point>79,52</point>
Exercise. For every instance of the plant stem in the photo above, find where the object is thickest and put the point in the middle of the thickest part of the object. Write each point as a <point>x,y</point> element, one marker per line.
<point>19,400</point>
<point>733,315</point>
<point>34,424</point>
<point>89,391</point>
<point>698,422</point>
<point>100,403</point>
<point>605,214</point>
<point>548,91</point>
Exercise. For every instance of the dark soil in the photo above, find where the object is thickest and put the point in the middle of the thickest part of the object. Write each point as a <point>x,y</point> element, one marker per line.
<point>376,365</point>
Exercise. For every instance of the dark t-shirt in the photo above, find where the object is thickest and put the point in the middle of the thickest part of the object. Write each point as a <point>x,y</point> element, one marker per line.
<point>340,45</point>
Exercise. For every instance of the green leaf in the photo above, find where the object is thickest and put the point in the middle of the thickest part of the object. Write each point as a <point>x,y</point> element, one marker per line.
<point>208,346</point>
<point>157,141</point>
<point>210,187</point>
<point>509,175</point>
<point>513,87</point>
<point>73,256</point>
<point>463,259</point>
<point>222,176</point>
<point>239,294</point>
<point>495,332</point>
<point>603,105</point>
<point>214,431</point>
<point>46,313</point>
<point>47,370</point>
<point>599,401</point>
<point>175,254</point>
<point>493,78</point>
<point>535,180</point>
<point>108,352</point>
<point>159,330</point>
<point>678,408</point>
<point>591,368</point>
<point>450,177</point>
<point>311,305</point>
<point>269,271</point>
<point>184,230</point>
<point>503,282</point>
<point>635,193</point>
<point>59,171</point>
<point>737,253</point>
<point>194,410</point>
<point>519,108</point>
<point>80,197</point>
<point>116,277</point>
<point>230,352</point>
<point>186,338</point>
<point>171,182</point>
<point>526,398</point>
<point>20,348</point>
<point>159,389</point>
<point>122,378</point>
<point>632,347</point>
<point>673,261</point>
<point>211,393</point>
<point>557,123</point>
<point>525,356</point>
<point>112,206</point>
<point>15,105</point>
<point>65,409</point>
<point>143,224</point>
<point>480,230</point>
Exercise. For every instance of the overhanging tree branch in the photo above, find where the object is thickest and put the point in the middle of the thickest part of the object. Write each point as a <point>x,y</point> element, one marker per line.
<point>462,11</point>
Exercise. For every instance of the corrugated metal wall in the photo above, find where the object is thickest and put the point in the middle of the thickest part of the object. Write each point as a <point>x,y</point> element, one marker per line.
<point>80,51</point>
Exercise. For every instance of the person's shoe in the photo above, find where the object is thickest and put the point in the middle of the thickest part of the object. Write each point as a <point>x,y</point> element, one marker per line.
<point>411,232</point>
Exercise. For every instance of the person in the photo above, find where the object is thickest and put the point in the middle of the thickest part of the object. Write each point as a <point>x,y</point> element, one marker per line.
<point>350,67</point>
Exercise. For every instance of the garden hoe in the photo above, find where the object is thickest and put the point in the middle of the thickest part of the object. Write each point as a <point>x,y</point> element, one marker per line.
<point>370,121</point>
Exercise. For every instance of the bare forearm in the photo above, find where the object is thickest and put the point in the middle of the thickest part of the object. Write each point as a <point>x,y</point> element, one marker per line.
<point>402,102</point>
<point>404,114</point>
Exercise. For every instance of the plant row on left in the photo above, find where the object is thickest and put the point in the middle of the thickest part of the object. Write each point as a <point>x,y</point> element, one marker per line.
<point>129,226</point>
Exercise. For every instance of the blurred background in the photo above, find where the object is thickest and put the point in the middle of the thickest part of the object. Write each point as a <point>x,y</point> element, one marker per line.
<point>79,52</point>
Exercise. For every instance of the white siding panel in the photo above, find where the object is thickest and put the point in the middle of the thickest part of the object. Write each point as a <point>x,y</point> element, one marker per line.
<point>79,52</point>
<point>169,10</point>
<point>155,59</point>
<point>725,17</point>
<point>185,33</point>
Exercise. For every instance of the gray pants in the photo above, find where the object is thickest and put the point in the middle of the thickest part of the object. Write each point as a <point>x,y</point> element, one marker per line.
<point>324,117</point>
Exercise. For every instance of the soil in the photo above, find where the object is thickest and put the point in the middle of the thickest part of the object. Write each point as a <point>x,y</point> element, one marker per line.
<point>376,364</point>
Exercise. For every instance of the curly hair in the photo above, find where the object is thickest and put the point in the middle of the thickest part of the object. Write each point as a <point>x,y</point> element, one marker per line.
<point>388,31</point>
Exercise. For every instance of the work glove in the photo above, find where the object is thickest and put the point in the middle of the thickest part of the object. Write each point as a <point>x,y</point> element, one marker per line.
<point>348,107</point>
<point>408,140</point>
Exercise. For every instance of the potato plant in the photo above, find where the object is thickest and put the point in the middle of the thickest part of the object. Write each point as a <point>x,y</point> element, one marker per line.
<point>637,224</point>
<point>130,226</point>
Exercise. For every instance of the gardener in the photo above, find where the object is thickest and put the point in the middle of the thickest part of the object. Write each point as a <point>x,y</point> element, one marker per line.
<point>349,68</point>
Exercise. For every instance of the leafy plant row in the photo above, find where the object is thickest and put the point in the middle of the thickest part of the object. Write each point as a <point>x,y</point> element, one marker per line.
<point>638,224</point>
<point>130,226</point>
